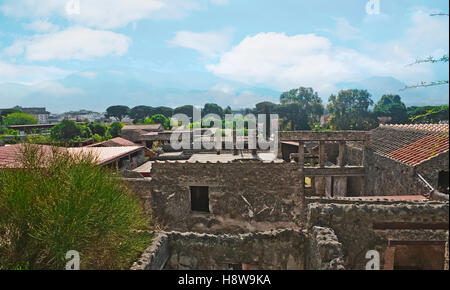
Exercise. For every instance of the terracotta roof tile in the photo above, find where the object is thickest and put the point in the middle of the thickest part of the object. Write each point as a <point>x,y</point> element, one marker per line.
<point>410,144</point>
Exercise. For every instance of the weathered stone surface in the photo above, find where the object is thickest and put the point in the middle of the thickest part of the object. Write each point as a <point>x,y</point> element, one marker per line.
<point>353,225</point>
<point>155,256</point>
<point>243,196</point>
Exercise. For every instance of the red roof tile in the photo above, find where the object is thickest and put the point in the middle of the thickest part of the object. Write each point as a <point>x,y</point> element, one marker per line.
<point>421,150</point>
<point>410,144</point>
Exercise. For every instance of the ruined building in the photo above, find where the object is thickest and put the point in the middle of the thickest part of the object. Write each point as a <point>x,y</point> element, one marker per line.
<point>319,209</point>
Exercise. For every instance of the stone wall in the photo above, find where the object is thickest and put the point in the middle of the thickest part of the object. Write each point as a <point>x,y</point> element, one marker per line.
<point>325,251</point>
<point>430,169</point>
<point>385,176</point>
<point>244,196</point>
<point>155,256</point>
<point>354,225</point>
<point>273,250</point>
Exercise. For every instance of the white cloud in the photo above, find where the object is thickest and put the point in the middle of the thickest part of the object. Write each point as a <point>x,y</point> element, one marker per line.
<point>77,43</point>
<point>40,26</point>
<point>345,31</point>
<point>283,61</point>
<point>209,44</point>
<point>27,74</point>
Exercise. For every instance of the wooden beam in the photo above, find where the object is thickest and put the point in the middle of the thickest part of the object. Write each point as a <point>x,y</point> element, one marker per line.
<point>322,154</point>
<point>301,154</point>
<point>410,226</point>
<point>340,159</point>
<point>334,171</point>
<point>323,136</point>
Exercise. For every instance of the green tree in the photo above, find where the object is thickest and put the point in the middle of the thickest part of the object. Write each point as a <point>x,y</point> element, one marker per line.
<point>67,130</point>
<point>350,111</point>
<point>392,106</point>
<point>228,111</point>
<point>115,129</point>
<point>211,108</point>
<point>98,129</point>
<point>166,111</point>
<point>19,119</point>
<point>158,119</point>
<point>428,114</point>
<point>186,110</point>
<point>118,112</point>
<point>139,113</point>
<point>300,108</point>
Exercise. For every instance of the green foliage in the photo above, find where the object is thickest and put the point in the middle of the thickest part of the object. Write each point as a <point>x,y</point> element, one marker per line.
<point>299,109</point>
<point>350,111</point>
<point>165,111</point>
<point>392,106</point>
<point>186,110</point>
<point>228,111</point>
<point>65,131</point>
<point>212,109</point>
<point>68,204</point>
<point>118,112</point>
<point>139,113</point>
<point>115,129</point>
<point>19,119</point>
<point>428,114</point>
<point>98,129</point>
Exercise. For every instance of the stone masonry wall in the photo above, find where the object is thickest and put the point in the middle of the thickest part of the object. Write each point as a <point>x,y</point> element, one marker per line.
<point>325,251</point>
<point>353,225</point>
<point>244,196</point>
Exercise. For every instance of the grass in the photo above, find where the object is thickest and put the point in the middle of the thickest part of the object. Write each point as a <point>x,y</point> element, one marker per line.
<point>64,202</point>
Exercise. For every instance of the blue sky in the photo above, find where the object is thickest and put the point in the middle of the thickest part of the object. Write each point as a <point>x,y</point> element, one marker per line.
<point>232,52</point>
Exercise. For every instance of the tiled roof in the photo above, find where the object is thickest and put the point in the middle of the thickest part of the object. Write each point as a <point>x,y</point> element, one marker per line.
<point>150,127</point>
<point>410,144</point>
<point>421,127</point>
<point>9,155</point>
<point>115,142</point>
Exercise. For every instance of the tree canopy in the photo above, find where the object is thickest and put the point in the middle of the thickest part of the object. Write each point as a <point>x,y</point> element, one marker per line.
<point>118,112</point>
<point>392,106</point>
<point>350,111</point>
<point>19,118</point>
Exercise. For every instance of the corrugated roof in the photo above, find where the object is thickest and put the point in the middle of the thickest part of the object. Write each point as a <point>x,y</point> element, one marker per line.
<point>410,144</point>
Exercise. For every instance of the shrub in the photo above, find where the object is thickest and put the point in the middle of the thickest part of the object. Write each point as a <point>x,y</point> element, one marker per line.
<point>19,119</point>
<point>65,202</point>
<point>115,129</point>
<point>66,131</point>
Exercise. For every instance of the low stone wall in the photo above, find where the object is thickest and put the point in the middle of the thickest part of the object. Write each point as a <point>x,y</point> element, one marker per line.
<point>273,250</point>
<point>155,256</point>
<point>244,196</point>
<point>354,225</point>
<point>325,251</point>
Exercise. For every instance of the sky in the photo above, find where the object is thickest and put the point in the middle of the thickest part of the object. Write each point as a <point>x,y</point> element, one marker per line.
<point>90,54</point>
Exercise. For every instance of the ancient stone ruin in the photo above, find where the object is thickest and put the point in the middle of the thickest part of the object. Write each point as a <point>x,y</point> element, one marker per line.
<point>316,206</point>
